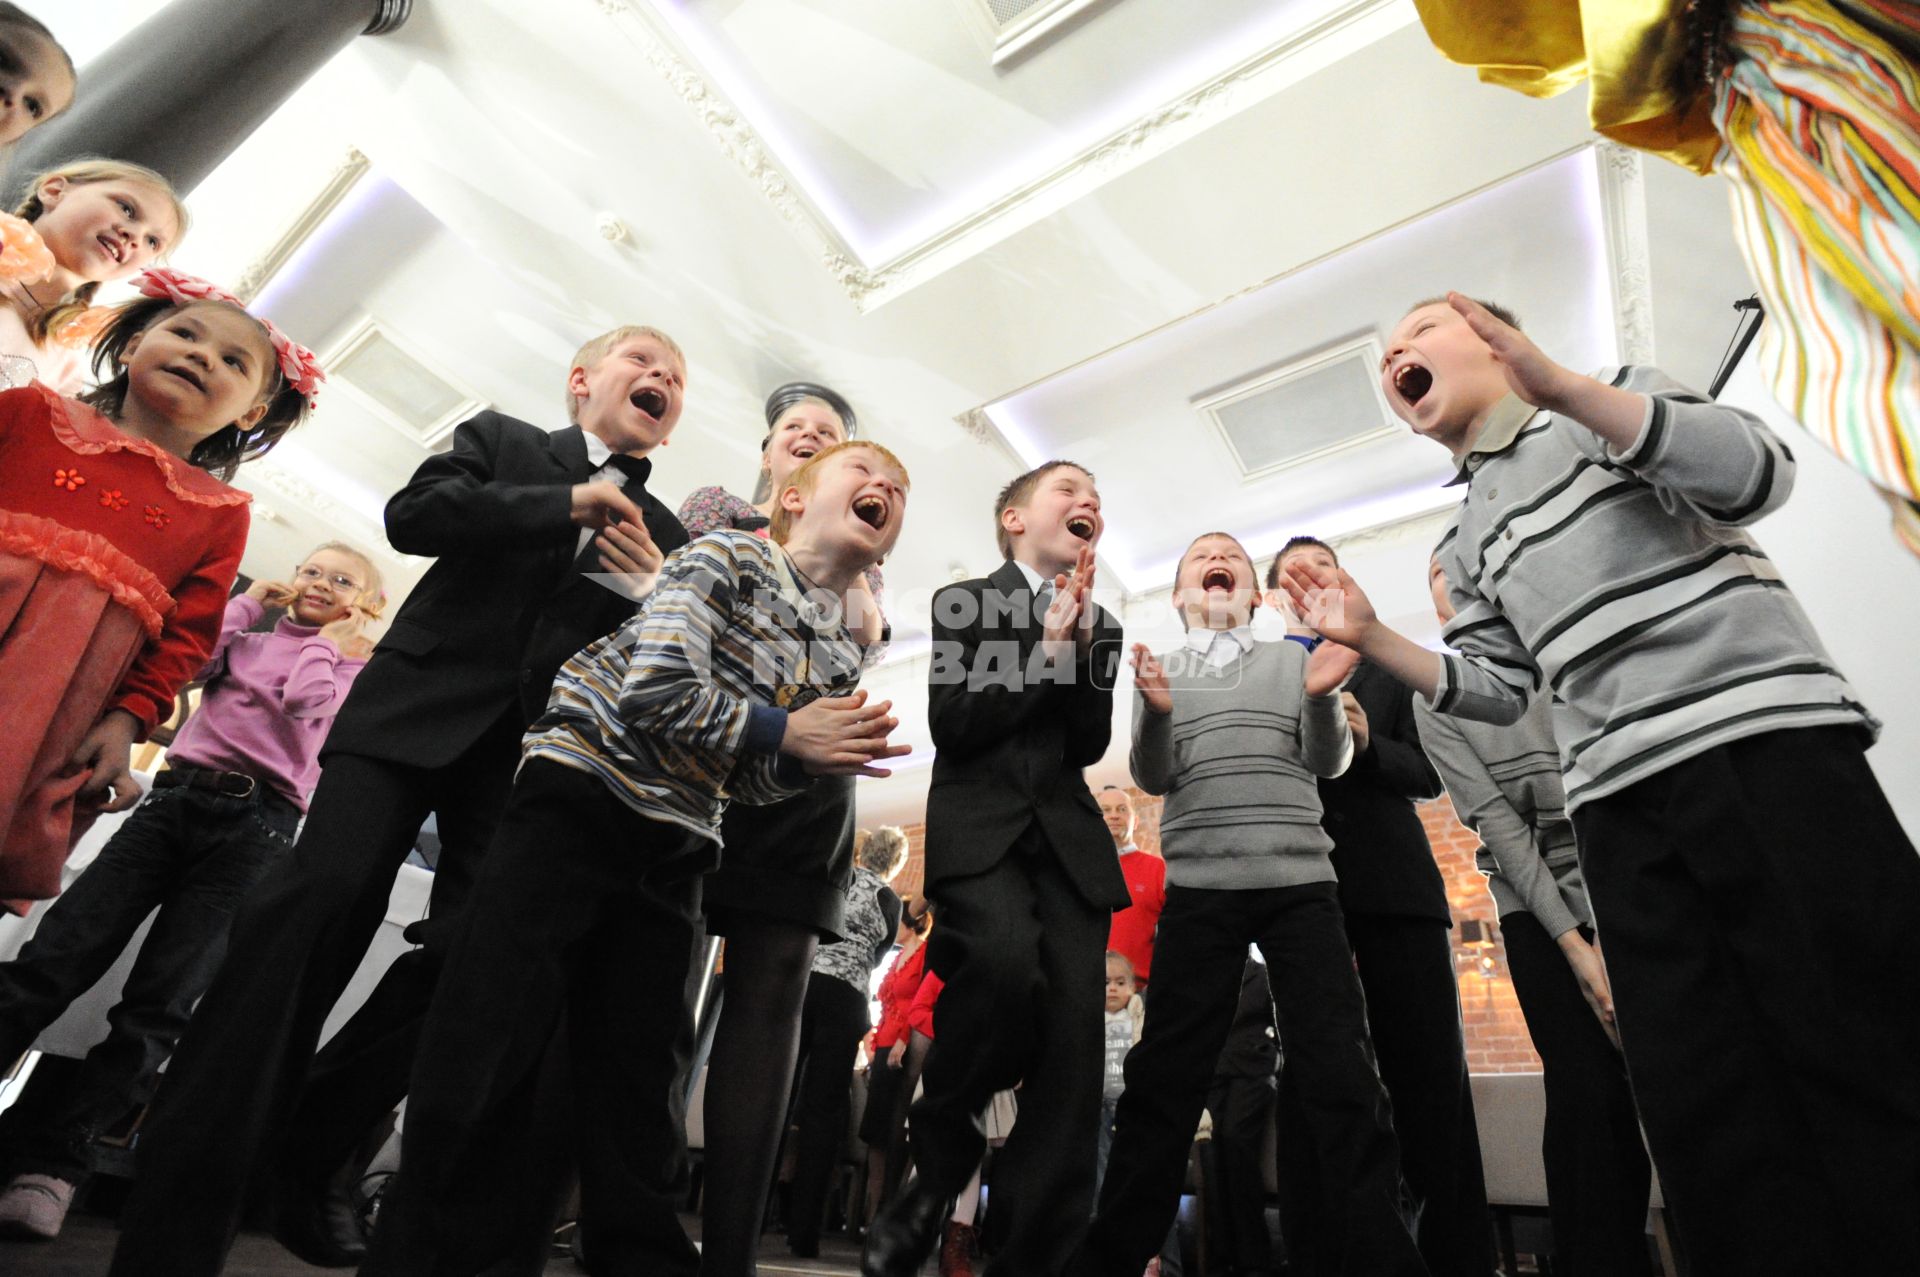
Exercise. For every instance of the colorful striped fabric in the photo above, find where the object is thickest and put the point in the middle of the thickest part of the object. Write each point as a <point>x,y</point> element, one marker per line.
<point>1820,112</point>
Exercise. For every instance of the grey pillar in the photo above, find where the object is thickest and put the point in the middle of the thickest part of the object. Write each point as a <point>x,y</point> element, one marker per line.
<point>179,92</point>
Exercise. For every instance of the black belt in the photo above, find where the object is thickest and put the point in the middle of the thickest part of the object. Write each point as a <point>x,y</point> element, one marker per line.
<point>232,784</point>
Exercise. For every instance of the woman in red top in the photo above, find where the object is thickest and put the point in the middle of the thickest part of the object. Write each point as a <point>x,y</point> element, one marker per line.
<point>118,545</point>
<point>895,1069</point>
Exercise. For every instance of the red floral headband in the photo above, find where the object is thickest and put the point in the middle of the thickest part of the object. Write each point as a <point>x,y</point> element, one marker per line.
<point>297,363</point>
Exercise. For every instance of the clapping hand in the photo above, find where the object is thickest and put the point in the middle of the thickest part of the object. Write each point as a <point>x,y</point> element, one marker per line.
<point>1328,666</point>
<point>1070,615</point>
<point>1531,375</point>
<point>842,736</point>
<point>1329,602</point>
<point>1151,678</point>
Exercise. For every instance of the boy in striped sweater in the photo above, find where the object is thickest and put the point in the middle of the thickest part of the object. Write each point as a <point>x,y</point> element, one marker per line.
<point>1234,730</point>
<point>735,680</point>
<point>1756,891</point>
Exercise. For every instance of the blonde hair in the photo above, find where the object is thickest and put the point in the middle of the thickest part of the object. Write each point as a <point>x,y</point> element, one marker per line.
<point>884,851</point>
<point>597,349</point>
<point>373,591</point>
<point>781,524</point>
<point>85,172</point>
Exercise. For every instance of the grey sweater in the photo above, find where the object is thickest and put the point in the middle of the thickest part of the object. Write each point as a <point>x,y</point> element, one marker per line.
<point>1236,759</point>
<point>1505,785</point>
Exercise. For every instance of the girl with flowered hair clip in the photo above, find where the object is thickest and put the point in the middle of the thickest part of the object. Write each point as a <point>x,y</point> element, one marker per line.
<point>119,542</point>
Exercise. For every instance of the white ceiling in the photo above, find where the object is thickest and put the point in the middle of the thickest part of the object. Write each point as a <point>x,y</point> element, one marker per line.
<point>1284,211</point>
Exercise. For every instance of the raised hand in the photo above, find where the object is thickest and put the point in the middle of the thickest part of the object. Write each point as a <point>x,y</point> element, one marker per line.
<point>1331,603</point>
<point>1356,721</point>
<point>272,593</point>
<point>1328,666</point>
<point>627,552</point>
<point>1151,679</point>
<point>1532,376</point>
<point>842,736</point>
<point>1063,621</point>
<point>346,634</point>
<point>599,503</point>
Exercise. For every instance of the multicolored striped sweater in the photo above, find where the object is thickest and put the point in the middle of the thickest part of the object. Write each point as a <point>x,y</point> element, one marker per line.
<point>683,708</point>
<point>1625,581</point>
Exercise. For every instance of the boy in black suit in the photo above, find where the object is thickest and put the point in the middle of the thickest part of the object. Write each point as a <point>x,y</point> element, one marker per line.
<point>1020,865</point>
<point>1395,904</point>
<point>433,725</point>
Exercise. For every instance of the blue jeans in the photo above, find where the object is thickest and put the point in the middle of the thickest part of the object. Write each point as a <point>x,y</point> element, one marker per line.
<point>194,854</point>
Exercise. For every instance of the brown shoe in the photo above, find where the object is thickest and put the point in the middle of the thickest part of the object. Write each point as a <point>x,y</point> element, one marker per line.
<point>957,1250</point>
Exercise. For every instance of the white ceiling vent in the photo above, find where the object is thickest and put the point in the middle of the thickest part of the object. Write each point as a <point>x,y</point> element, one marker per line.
<point>1303,411</point>
<point>1019,25</point>
<point>399,386</point>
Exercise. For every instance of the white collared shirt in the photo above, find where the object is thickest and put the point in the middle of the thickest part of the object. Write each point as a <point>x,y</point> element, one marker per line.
<point>598,455</point>
<point>1217,647</point>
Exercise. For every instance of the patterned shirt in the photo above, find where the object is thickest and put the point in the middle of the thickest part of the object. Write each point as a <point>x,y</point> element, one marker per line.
<point>1624,581</point>
<point>684,706</point>
<point>868,932</point>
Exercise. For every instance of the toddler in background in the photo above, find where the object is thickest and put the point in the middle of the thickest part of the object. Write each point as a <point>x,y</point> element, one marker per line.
<point>36,74</point>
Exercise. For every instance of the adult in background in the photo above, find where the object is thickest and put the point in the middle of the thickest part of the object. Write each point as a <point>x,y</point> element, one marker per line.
<point>833,1019</point>
<point>1397,920</point>
<point>1131,934</point>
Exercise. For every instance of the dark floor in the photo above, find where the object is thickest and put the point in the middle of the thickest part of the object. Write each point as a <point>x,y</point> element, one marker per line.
<point>86,1244</point>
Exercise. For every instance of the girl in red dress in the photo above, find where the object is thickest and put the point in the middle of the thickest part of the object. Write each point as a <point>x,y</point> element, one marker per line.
<point>119,542</point>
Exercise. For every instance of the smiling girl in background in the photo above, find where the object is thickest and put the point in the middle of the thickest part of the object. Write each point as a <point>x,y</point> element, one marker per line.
<point>237,780</point>
<point>119,542</point>
<point>82,225</point>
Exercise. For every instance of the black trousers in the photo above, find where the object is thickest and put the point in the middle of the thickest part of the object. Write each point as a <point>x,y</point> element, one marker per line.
<point>239,1068</point>
<point>583,908</point>
<point>1598,1175</point>
<point>1758,905</point>
<point>833,1019</point>
<point>1199,956</point>
<point>1022,955</point>
<point>1413,1010</point>
<point>1241,1108</point>
<point>193,854</point>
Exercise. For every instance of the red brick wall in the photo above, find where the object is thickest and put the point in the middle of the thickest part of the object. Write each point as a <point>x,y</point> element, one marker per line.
<point>1497,1039</point>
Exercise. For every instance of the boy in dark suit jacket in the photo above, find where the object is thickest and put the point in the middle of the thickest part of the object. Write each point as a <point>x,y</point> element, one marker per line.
<point>1395,904</point>
<point>1020,864</point>
<point>434,725</point>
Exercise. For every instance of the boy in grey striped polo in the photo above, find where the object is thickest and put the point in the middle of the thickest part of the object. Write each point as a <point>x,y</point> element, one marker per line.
<point>1758,895</point>
<point>1233,731</point>
<point>1505,786</point>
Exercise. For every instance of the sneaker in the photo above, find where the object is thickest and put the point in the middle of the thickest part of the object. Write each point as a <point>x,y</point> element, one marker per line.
<point>34,1206</point>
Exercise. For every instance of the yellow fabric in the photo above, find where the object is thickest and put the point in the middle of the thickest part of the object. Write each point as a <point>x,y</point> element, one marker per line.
<point>1631,50</point>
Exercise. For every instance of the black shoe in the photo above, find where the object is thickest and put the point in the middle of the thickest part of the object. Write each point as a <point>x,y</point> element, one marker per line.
<point>320,1227</point>
<point>905,1233</point>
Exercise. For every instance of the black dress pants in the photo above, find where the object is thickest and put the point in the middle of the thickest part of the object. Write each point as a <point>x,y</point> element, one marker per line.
<point>1346,1127</point>
<point>1241,1108</point>
<point>1758,905</point>
<point>1022,955</point>
<point>584,909</point>
<point>299,936</point>
<point>833,1019</point>
<point>1598,1175</point>
<point>1413,1011</point>
<point>193,853</point>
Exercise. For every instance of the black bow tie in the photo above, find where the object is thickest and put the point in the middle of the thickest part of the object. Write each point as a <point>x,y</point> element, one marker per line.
<point>636,469</point>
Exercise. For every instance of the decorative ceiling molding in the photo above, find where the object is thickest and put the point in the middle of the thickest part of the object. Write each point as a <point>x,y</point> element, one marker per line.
<point>351,168</point>
<point>1623,205</point>
<point>979,427</point>
<point>869,285</point>
<point>1034,26</point>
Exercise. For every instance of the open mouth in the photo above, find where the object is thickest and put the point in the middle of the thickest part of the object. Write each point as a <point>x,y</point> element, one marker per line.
<point>189,376</point>
<point>112,247</point>
<point>651,401</point>
<point>1218,579</point>
<point>1413,382</point>
<point>1081,526</point>
<point>871,511</point>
